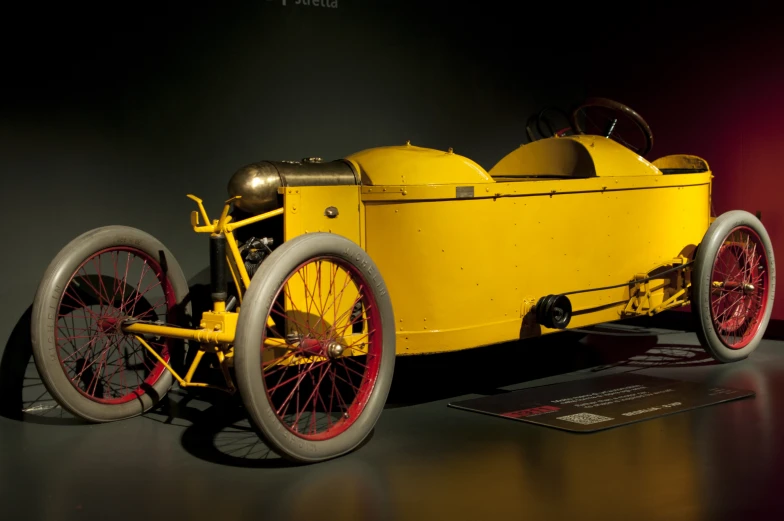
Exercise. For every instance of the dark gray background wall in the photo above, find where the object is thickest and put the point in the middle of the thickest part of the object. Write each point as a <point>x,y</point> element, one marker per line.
<point>112,118</point>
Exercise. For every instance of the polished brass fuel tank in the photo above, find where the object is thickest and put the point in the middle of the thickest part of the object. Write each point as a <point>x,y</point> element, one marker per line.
<point>258,183</point>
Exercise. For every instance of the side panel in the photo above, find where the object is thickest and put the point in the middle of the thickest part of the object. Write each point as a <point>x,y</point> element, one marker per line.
<point>463,272</point>
<point>305,211</point>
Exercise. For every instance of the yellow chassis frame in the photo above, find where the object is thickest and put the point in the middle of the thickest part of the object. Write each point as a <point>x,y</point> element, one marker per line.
<point>217,328</point>
<point>641,302</point>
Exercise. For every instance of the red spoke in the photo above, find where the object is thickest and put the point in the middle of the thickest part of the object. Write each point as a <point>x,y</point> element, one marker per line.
<point>331,396</point>
<point>315,390</point>
<point>327,410</point>
<point>348,312</point>
<point>125,279</point>
<point>138,297</point>
<point>86,280</point>
<point>277,364</point>
<point>335,318</point>
<point>313,366</point>
<point>359,341</point>
<point>297,323</point>
<point>299,378</point>
<point>347,382</point>
<point>124,305</point>
<point>308,292</point>
<point>72,337</point>
<point>95,338</point>
<point>296,310</point>
<point>96,374</point>
<point>106,358</point>
<point>353,359</point>
<point>737,311</point>
<point>281,368</point>
<point>103,350</point>
<point>119,366</point>
<point>324,307</point>
<point>343,403</point>
<point>308,304</point>
<point>351,324</point>
<point>334,299</point>
<point>361,375</point>
<point>732,307</point>
<point>162,303</point>
<point>75,297</point>
<point>104,292</point>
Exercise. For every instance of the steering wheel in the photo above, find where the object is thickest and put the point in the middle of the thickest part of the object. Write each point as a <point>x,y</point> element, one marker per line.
<point>608,118</point>
<point>543,123</point>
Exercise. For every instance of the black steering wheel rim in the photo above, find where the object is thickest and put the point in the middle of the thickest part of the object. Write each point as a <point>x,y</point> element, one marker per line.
<point>621,109</point>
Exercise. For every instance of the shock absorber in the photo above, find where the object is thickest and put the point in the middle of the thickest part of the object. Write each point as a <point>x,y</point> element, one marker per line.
<point>219,287</point>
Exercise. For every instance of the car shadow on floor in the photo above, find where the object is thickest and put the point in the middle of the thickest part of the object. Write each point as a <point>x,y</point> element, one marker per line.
<point>23,395</point>
<point>488,370</point>
<point>216,427</point>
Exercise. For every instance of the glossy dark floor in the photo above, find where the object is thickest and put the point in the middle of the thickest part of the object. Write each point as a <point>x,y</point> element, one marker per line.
<point>196,457</point>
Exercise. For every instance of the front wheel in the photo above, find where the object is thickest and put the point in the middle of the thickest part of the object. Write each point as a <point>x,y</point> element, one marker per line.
<point>733,285</point>
<point>315,347</point>
<point>99,280</point>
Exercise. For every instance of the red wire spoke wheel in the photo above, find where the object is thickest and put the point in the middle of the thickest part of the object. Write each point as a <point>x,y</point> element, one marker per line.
<point>317,392</point>
<point>316,381</point>
<point>739,285</point>
<point>109,287</point>
<point>97,282</point>
<point>733,286</point>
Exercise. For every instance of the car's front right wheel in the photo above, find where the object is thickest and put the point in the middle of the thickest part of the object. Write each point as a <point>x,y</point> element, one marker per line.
<point>733,285</point>
<point>315,347</point>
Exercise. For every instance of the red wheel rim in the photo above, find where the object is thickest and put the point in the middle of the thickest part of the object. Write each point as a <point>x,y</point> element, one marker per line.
<point>739,287</point>
<point>111,286</point>
<point>324,303</point>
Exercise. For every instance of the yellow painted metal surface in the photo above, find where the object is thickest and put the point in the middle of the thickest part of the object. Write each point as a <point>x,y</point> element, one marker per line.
<point>324,283</point>
<point>305,208</point>
<point>527,187</point>
<point>573,156</point>
<point>319,299</point>
<point>681,161</point>
<point>409,165</point>
<point>463,272</point>
<point>203,336</point>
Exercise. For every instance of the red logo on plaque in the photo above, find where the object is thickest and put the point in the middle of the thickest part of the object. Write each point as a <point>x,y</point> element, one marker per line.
<point>533,411</point>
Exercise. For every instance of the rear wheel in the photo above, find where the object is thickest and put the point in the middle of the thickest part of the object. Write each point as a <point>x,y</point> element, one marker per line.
<point>95,283</point>
<point>733,286</point>
<point>316,382</point>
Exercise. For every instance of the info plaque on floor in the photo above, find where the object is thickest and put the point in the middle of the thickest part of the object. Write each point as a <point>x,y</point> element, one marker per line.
<point>595,404</point>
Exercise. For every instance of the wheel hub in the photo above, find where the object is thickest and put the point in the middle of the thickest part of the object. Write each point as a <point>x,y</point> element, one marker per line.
<point>109,324</point>
<point>745,287</point>
<point>334,349</point>
<point>310,347</point>
<point>315,347</point>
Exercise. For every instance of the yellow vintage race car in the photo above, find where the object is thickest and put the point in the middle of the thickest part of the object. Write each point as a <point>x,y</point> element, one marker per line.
<point>323,271</point>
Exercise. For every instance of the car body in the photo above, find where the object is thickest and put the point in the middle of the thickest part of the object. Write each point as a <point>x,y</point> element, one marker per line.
<point>467,253</point>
